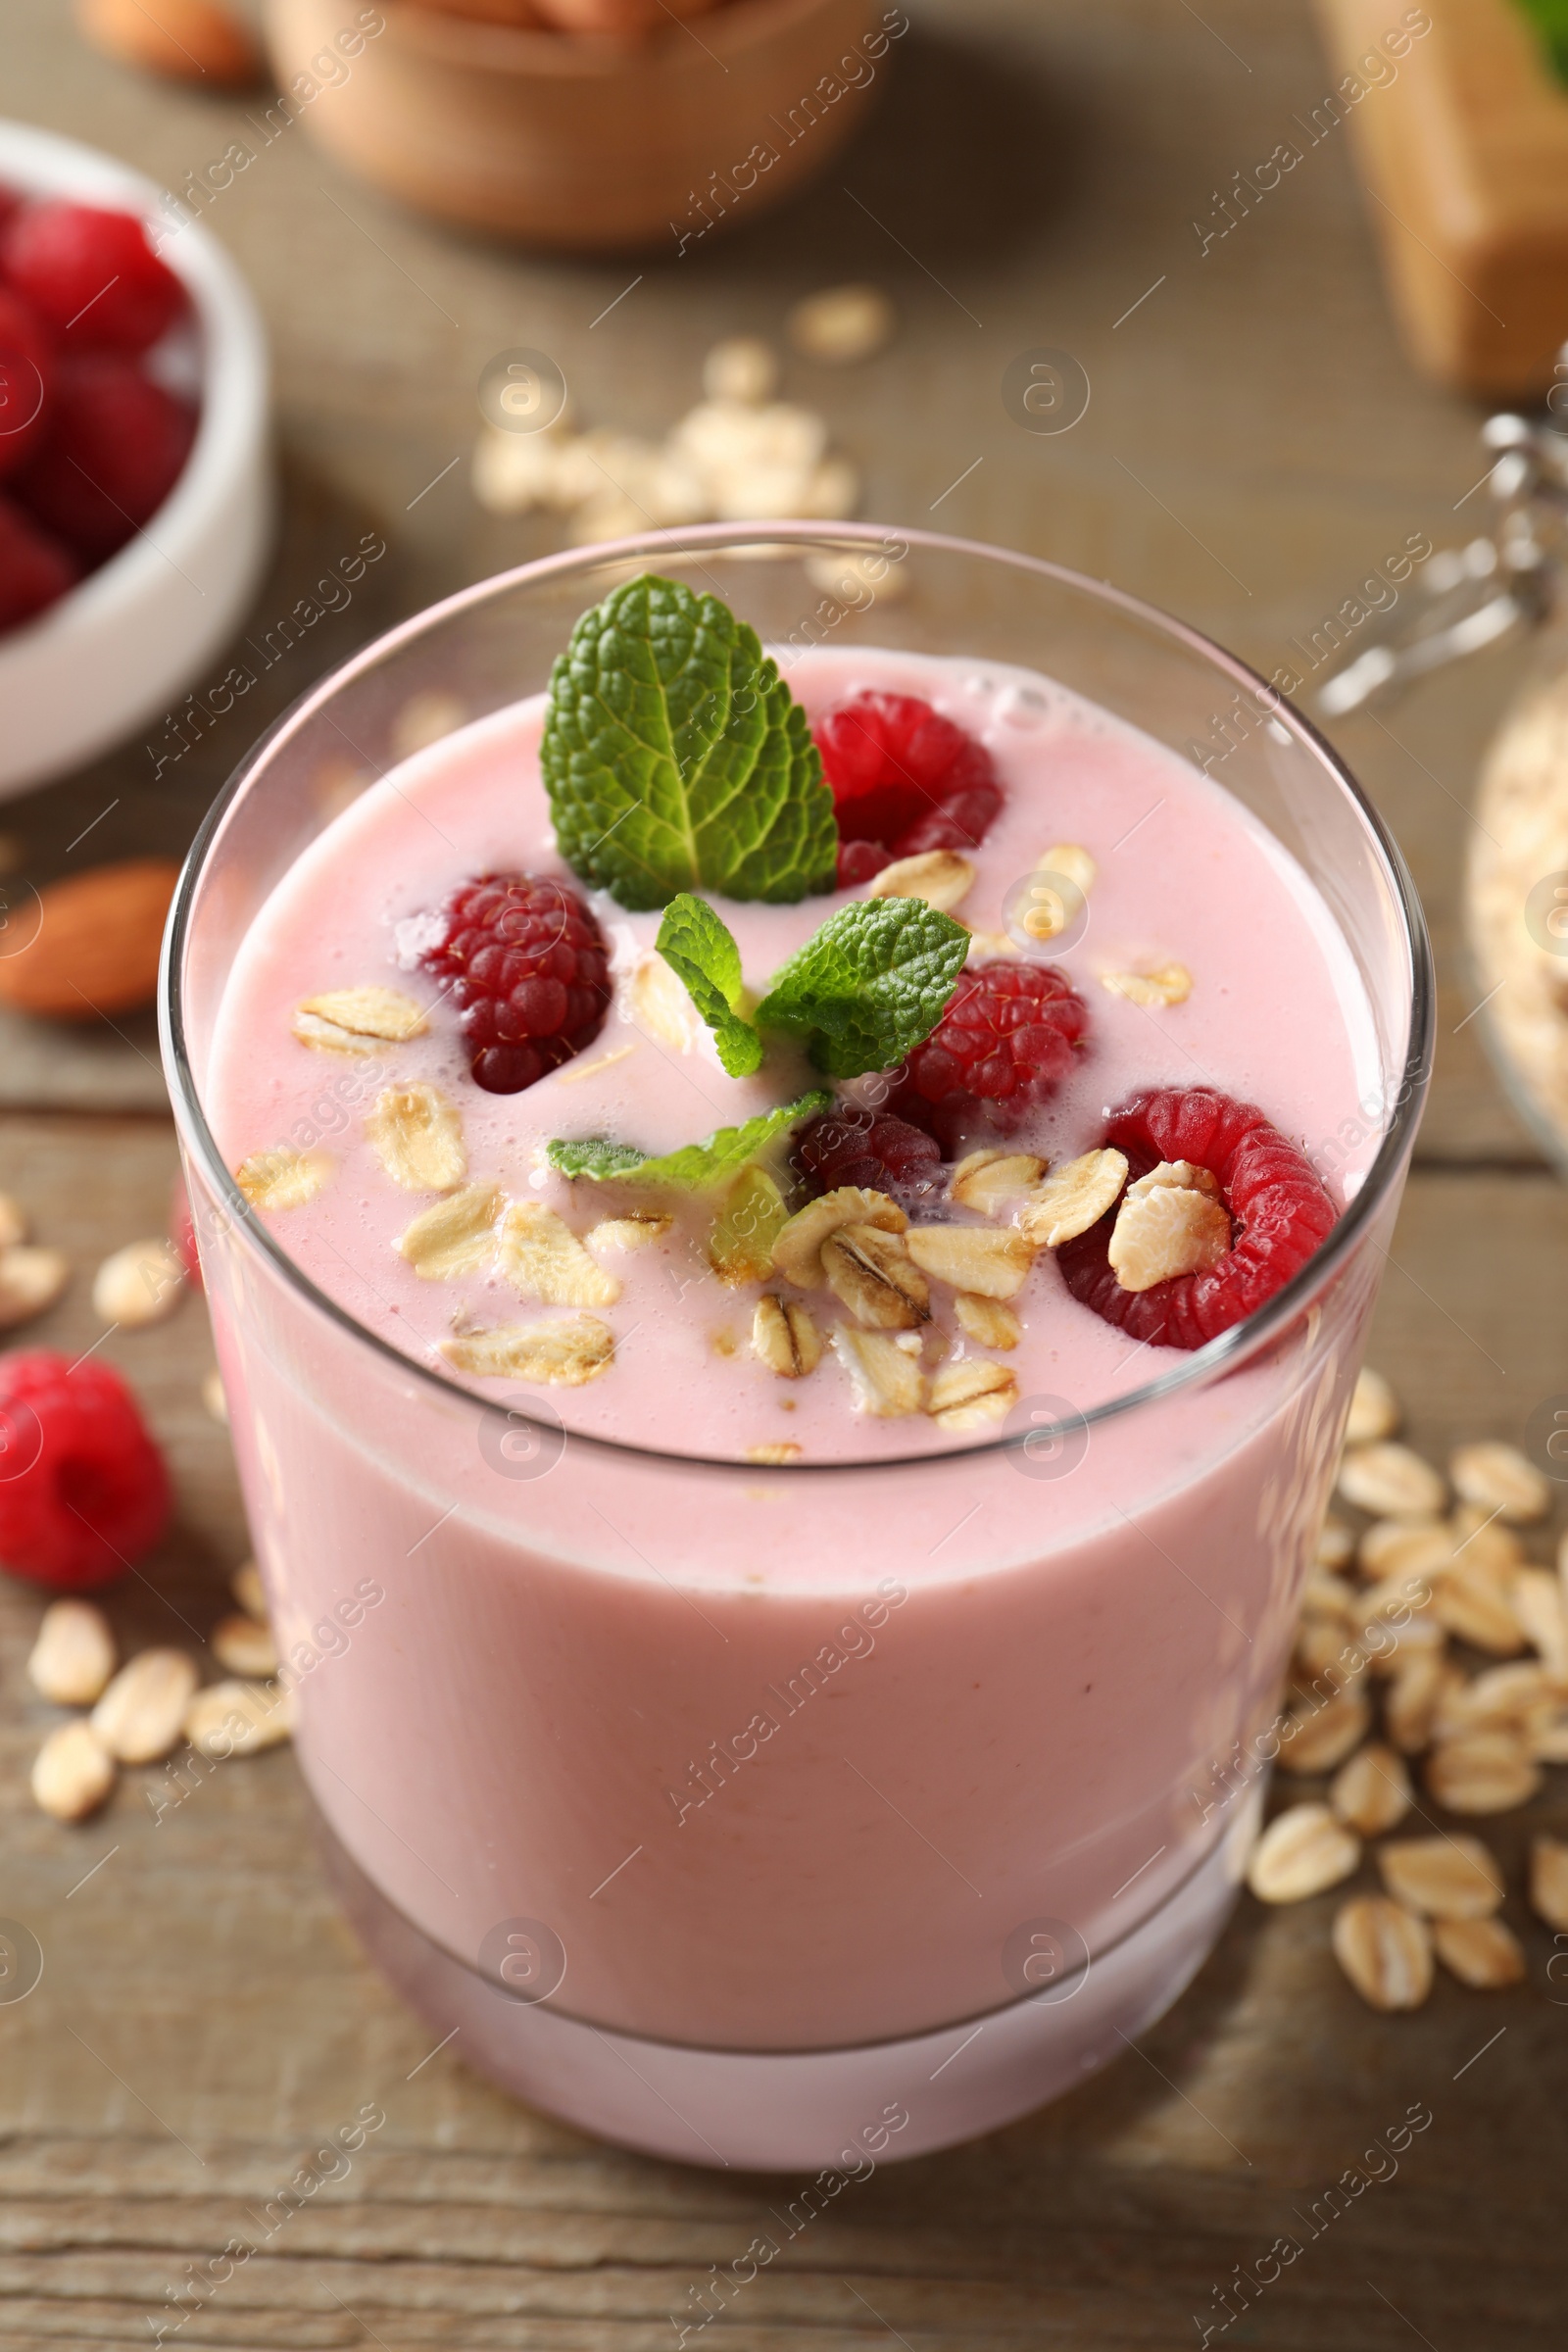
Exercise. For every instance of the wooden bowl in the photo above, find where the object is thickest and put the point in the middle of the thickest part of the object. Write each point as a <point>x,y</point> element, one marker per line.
<point>592,144</point>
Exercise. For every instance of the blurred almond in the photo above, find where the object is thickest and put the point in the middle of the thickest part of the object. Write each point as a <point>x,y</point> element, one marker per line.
<point>242,1644</point>
<point>238,1719</point>
<point>71,1775</point>
<point>73,1656</point>
<point>183,41</point>
<point>31,1280</point>
<point>94,944</point>
<point>140,1284</point>
<point>1385,1950</point>
<point>1482,1954</point>
<point>139,1716</point>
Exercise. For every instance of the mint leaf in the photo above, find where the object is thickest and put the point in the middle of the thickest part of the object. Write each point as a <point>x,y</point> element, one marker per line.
<point>700,950</point>
<point>676,758</point>
<point>870,986</point>
<point>695,1167</point>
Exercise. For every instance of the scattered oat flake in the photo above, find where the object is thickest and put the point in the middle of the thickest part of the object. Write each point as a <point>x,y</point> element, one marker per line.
<point>628,1233</point>
<point>1499,1478</point>
<point>1482,1771</point>
<point>355,1020</point>
<point>243,1644</point>
<point>455,1235</point>
<point>139,1716</point>
<point>887,1380</point>
<point>1374,1409</point>
<point>1372,1790</point>
<point>972,1257</point>
<point>775,1454</point>
<point>1392,1482</point>
<point>1301,1853</point>
<point>1385,1950</point>
<point>417,1134</point>
<point>73,1656</point>
<point>1167,983</point>
<point>1537,1602</point>
<point>215,1403</point>
<point>1549,1880</point>
<point>842,324</point>
<point>248,1589</point>
<point>1318,1736</point>
<point>13,1222</point>
<point>1444,1877</point>
<point>943,878</point>
<point>968,1395</point>
<point>566,1354</point>
<point>577,1071</point>
<point>741,368</point>
<point>1406,1547</point>
<point>1072,1197</point>
<point>785,1337</point>
<point>1414,1696</point>
<point>542,1258</point>
<point>798,1248</point>
<point>284,1178</point>
<point>1477,1603</point>
<point>1336,1544</point>
<point>1483,1953</point>
<point>872,1272</point>
<point>986,1321</point>
<point>985,1181</point>
<point>238,1719</point>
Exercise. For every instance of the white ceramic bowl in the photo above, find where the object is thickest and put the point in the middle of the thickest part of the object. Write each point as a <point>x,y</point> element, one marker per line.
<point>122,648</point>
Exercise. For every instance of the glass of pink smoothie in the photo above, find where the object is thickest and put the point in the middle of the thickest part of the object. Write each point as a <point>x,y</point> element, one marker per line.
<point>740,1773</point>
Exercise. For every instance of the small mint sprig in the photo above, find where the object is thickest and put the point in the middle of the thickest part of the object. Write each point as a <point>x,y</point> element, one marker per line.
<point>861,994</point>
<point>677,759</point>
<point>695,1167</point>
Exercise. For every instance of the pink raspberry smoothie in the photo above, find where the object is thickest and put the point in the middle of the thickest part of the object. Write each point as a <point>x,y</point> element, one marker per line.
<point>784,1717</point>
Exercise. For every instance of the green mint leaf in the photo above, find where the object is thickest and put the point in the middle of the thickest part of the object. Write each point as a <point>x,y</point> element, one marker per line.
<point>676,758</point>
<point>700,950</point>
<point>870,986</point>
<point>694,1167</point>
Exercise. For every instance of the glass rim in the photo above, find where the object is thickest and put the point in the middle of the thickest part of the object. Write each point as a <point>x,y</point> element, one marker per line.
<point>1201,1366</point>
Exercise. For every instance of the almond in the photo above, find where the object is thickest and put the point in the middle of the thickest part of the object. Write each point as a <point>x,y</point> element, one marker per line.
<point>183,41</point>
<point>986,1321</point>
<point>1072,1197</point>
<point>563,1354</point>
<point>966,1395</point>
<point>1303,1851</point>
<point>542,1258</point>
<point>1482,1771</point>
<point>356,1020</point>
<point>1372,1792</point>
<point>1385,1950</point>
<point>1549,1880</point>
<point>72,1774</point>
<point>417,1134</point>
<point>785,1337</point>
<point>1167,983</point>
<point>244,1645</point>
<point>31,1280</point>
<point>284,1178</point>
<point>887,1378</point>
<point>1482,1954</point>
<point>73,1656</point>
<point>456,1235</point>
<point>872,1272</point>
<point>1499,1478</point>
<point>1167,1231</point>
<point>1445,1877</point>
<point>139,1716</point>
<point>238,1719</point>
<point>798,1247</point>
<point>1390,1481</point>
<point>93,943</point>
<point>972,1257</point>
<point>943,878</point>
<point>140,1284</point>
<point>1318,1737</point>
<point>1374,1409</point>
<point>985,1181</point>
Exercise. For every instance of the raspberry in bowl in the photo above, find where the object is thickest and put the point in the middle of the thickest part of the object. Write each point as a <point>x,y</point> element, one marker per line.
<point>819,1617</point>
<point>135,483</point>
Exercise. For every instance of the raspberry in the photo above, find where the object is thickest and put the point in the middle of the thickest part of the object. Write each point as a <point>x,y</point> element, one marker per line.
<point>33,569</point>
<point>27,374</point>
<point>83,1491</point>
<point>1278,1208</point>
<point>529,976</point>
<point>853,1144</point>
<point>1003,1046</point>
<point>91,275</point>
<point>903,779</point>
<point>116,446</point>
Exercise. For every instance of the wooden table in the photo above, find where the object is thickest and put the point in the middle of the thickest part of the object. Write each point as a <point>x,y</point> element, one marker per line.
<point>1253,445</point>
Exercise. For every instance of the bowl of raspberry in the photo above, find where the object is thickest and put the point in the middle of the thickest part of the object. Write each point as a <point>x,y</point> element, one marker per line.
<point>135,489</point>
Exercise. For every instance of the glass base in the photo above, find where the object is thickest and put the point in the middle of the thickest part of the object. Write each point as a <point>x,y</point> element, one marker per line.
<point>789,2109</point>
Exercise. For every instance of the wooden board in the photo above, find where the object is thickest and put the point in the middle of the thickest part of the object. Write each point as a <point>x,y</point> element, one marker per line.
<point>1462,132</point>
<point>204,2017</point>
